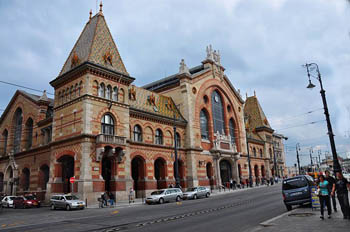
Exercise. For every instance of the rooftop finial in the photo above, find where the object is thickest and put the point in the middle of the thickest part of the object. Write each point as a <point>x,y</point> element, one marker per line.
<point>254,93</point>
<point>101,7</point>
<point>90,14</point>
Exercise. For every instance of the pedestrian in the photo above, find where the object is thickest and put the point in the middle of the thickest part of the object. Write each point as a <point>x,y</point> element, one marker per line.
<point>324,196</point>
<point>331,182</point>
<point>105,198</point>
<point>271,180</point>
<point>234,184</point>
<point>342,186</point>
<point>131,195</point>
<point>231,183</point>
<point>111,199</point>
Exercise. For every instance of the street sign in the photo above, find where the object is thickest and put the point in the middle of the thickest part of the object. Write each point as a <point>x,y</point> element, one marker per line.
<point>72,180</point>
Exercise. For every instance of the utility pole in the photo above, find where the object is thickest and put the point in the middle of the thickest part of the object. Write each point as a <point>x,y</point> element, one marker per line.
<point>319,160</point>
<point>312,163</point>
<point>297,147</point>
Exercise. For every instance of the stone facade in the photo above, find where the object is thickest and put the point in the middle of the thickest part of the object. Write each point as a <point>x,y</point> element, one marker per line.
<point>112,136</point>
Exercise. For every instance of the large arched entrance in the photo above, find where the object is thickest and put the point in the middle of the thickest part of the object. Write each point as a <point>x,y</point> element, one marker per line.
<point>138,175</point>
<point>225,172</point>
<point>67,164</point>
<point>1,182</point>
<point>25,179</point>
<point>159,173</point>
<point>108,165</point>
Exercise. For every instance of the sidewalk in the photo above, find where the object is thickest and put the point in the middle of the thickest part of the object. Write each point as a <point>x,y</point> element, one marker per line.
<point>138,201</point>
<point>304,219</point>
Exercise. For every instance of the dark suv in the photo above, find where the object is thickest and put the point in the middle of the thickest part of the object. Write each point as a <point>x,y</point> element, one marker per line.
<point>297,190</point>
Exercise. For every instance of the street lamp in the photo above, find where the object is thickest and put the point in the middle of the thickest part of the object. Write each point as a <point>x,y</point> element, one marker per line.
<point>246,119</point>
<point>311,67</point>
<point>297,147</point>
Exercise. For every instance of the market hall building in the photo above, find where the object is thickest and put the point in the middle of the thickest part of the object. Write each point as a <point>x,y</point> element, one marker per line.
<point>112,136</point>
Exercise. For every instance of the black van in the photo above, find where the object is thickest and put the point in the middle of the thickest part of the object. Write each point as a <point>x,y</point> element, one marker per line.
<point>297,190</point>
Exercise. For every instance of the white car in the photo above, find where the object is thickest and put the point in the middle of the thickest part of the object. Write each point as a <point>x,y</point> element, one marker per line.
<point>8,201</point>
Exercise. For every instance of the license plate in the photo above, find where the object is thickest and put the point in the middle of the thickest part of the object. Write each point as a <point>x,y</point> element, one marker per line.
<point>296,194</point>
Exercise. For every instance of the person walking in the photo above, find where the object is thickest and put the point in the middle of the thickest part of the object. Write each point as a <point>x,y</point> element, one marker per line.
<point>231,183</point>
<point>331,182</point>
<point>342,186</point>
<point>324,196</point>
<point>111,199</point>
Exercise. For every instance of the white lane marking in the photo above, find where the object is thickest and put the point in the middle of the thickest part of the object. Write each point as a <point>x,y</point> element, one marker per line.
<point>268,222</point>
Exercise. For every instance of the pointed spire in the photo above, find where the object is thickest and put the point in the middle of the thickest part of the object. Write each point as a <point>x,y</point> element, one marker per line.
<point>183,68</point>
<point>90,15</point>
<point>44,97</point>
<point>101,5</point>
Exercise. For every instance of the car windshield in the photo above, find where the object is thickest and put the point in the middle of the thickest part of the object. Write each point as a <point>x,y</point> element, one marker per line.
<point>69,198</point>
<point>157,192</point>
<point>294,183</point>
<point>192,189</point>
<point>30,198</point>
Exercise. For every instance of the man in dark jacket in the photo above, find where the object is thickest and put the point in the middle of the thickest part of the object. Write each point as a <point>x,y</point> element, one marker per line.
<point>331,182</point>
<point>342,186</point>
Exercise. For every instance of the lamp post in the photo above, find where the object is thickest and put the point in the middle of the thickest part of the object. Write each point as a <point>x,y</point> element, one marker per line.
<point>246,119</point>
<point>297,147</point>
<point>274,159</point>
<point>311,67</point>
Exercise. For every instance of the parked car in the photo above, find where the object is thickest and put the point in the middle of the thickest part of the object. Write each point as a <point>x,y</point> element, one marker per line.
<point>67,202</point>
<point>8,201</point>
<point>297,190</point>
<point>196,192</point>
<point>165,195</point>
<point>26,202</point>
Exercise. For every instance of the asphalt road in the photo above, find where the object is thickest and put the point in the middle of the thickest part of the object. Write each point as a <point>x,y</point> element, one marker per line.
<point>236,211</point>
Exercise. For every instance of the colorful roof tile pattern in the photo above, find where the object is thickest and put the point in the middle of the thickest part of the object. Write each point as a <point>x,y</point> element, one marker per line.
<point>96,45</point>
<point>257,117</point>
<point>155,103</point>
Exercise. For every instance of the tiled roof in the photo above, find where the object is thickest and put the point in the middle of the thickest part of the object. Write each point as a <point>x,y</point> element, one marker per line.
<point>162,105</point>
<point>257,118</point>
<point>35,98</point>
<point>97,46</point>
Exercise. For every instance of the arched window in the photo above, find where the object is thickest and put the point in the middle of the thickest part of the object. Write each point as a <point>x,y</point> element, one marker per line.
<point>59,97</point>
<point>159,136</point>
<point>5,135</point>
<point>115,94</point>
<point>109,92</point>
<point>204,125</point>
<point>67,94</point>
<point>107,125</point>
<point>232,131</point>
<point>217,112</point>
<point>137,133</point>
<point>29,133</point>
<point>80,87</point>
<point>270,152</point>
<point>254,152</point>
<point>178,140</point>
<point>261,153</point>
<point>71,93</point>
<point>18,130</point>
<point>101,90</point>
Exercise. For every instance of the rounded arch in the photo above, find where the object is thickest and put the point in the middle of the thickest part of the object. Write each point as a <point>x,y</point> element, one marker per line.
<point>232,130</point>
<point>137,133</point>
<point>17,125</point>
<point>66,171</point>
<point>108,168</point>
<point>121,95</point>
<point>115,93</point>
<point>218,112</point>
<point>149,135</point>
<point>160,172</point>
<point>109,92</point>
<point>80,87</point>
<point>29,133</point>
<point>107,124</point>
<point>254,151</point>
<point>178,139</point>
<point>159,136</point>
<point>256,170</point>
<point>25,179</point>
<point>101,90</point>
<point>204,123</point>
<point>138,173</point>
<point>168,137</point>
<point>44,175</point>
<point>263,172</point>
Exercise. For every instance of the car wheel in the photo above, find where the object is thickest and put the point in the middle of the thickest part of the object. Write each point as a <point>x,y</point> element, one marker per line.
<point>207,195</point>
<point>289,207</point>
<point>53,207</point>
<point>8,205</point>
<point>82,208</point>
<point>195,197</point>
<point>178,198</point>
<point>161,201</point>
<point>67,207</point>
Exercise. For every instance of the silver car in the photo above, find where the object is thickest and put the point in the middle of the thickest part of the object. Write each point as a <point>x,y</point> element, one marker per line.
<point>8,201</point>
<point>165,195</point>
<point>67,202</point>
<point>196,192</point>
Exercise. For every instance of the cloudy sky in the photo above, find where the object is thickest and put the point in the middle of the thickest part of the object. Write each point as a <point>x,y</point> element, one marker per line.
<point>263,45</point>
